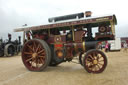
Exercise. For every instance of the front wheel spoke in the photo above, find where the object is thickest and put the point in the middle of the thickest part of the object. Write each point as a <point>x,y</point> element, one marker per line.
<point>91,57</point>
<point>98,66</point>
<point>88,59</point>
<point>95,68</point>
<point>98,57</point>
<point>100,60</point>
<point>88,62</point>
<point>92,67</point>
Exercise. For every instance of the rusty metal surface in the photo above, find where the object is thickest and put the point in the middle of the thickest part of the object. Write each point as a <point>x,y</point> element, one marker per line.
<point>79,35</point>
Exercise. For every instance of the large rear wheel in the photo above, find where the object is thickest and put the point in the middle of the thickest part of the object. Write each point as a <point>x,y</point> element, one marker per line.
<point>95,61</point>
<point>35,55</point>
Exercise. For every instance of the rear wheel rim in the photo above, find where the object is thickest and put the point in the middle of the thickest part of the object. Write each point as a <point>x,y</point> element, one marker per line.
<point>34,55</point>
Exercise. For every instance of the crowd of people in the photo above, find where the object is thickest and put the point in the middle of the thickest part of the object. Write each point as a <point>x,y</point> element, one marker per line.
<point>107,46</point>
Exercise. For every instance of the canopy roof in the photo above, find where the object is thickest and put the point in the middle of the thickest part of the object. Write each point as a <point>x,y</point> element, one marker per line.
<point>95,21</point>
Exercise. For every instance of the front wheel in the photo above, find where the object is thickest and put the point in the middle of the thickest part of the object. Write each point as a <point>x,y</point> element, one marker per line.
<point>95,61</point>
<point>35,55</point>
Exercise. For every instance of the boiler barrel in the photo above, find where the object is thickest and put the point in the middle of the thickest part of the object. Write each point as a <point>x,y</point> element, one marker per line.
<point>85,46</point>
<point>82,46</point>
<point>91,45</point>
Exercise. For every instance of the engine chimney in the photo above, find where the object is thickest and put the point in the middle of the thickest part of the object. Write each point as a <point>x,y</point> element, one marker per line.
<point>9,37</point>
<point>89,33</point>
<point>19,39</point>
<point>88,13</point>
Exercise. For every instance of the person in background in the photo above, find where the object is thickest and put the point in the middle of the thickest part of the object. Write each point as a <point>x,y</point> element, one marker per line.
<point>109,47</point>
<point>28,35</point>
<point>100,45</point>
<point>9,37</point>
<point>106,46</point>
<point>125,47</point>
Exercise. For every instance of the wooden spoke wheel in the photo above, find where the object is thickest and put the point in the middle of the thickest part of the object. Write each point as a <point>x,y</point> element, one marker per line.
<point>36,55</point>
<point>95,61</point>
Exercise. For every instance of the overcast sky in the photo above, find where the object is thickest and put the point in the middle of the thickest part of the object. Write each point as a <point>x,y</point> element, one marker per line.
<point>15,13</point>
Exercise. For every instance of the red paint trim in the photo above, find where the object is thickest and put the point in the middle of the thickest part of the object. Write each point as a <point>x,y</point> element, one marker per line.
<point>58,45</point>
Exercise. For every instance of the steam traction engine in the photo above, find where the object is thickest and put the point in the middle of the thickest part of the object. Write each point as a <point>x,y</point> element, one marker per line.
<point>10,48</point>
<point>52,44</point>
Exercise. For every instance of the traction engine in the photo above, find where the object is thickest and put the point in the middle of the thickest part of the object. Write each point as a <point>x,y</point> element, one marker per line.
<point>52,44</point>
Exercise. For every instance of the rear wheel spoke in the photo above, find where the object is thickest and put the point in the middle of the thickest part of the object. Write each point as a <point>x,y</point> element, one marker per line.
<point>34,46</point>
<point>29,53</point>
<point>42,61</point>
<point>37,48</point>
<point>31,64</point>
<point>28,59</point>
<point>42,56</point>
<point>41,51</point>
<point>36,63</point>
<point>30,47</point>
